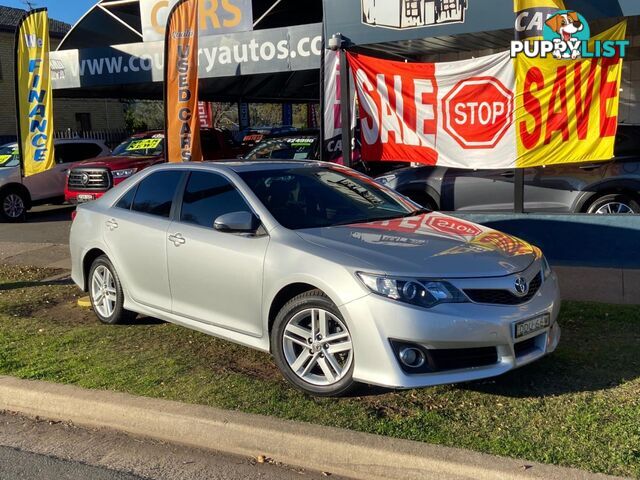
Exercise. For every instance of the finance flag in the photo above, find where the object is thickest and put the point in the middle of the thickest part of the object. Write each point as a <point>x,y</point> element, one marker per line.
<point>34,105</point>
<point>182,122</point>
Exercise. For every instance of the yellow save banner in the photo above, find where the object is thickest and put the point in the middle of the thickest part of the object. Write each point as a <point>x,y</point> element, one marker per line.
<point>567,110</point>
<point>33,93</point>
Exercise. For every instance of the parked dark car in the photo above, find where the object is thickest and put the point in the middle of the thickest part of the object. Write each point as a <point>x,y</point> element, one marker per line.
<point>607,187</point>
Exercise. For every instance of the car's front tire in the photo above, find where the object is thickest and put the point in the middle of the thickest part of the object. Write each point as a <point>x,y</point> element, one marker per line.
<point>13,205</point>
<point>106,293</point>
<point>312,346</point>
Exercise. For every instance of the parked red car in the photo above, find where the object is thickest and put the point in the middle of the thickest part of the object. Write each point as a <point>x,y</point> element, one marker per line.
<point>89,180</point>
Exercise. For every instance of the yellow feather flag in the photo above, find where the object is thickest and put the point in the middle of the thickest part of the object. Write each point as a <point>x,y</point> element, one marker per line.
<point>33,93</point>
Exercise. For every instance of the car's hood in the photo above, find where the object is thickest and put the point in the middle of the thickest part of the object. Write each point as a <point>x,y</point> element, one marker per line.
<point>118,163</point>
<point>430,245</point>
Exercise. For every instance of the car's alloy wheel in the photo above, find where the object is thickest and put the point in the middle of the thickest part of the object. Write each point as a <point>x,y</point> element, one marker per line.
<point>105,291</point>
<point>614,208</point>
<point>312,345</point>
<point>13,206</point>
<point>615,204</point>
<point>317,347</point>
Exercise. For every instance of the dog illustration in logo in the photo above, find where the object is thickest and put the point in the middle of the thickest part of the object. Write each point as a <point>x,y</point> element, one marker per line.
<point>566,25</point>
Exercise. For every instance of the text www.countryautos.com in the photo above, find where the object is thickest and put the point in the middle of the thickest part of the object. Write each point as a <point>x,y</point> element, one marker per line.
<point>209,57</point>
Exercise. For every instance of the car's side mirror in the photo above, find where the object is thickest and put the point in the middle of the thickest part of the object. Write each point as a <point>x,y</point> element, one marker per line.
<point>237,222</point>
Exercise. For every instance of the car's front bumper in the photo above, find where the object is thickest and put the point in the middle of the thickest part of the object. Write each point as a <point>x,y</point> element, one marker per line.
<point>375,322</point>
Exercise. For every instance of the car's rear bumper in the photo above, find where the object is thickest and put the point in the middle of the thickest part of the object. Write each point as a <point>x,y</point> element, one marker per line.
<point>377,322</point>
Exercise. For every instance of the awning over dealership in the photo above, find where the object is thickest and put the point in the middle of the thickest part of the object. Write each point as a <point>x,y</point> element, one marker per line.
<point>482,24</point>
<point>105,55</point>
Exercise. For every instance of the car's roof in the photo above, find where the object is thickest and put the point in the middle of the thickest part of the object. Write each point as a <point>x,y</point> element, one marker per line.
<point>248,166</point>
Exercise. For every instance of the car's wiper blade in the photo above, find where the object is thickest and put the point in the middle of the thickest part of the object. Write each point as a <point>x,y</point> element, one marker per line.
<point>367,220</point>
<point>420,211</point>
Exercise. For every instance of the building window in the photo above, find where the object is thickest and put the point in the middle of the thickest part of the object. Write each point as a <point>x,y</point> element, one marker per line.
<point>83,122</point>
<point>412,8</point>
<point>449,6</point>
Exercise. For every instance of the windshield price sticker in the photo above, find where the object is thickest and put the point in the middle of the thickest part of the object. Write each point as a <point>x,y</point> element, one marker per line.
<point>147,144</point>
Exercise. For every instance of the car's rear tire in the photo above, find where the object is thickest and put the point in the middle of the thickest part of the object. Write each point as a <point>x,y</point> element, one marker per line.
<point>106,293</point>
<point>615,204</point>
<point>312,346</point>
<point>13,205</point>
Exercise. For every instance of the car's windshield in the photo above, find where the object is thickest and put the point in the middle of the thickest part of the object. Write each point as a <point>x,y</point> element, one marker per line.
<point>9,156</point>
<point>296,148</point>
<point>141,147</point>
<point>313,197</point>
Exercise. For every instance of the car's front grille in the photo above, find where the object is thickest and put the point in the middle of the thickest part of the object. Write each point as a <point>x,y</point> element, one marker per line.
<point>525,348</point>
<point>94,179</point>
<point>504,297</point>
<point>443,360</point>
<point>460,358</point>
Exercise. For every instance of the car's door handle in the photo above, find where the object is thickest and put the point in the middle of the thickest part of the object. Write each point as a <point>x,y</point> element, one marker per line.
<point>112,224</point>
<point>508,174</point>
<point>590,167</point>
<point>177,239</point>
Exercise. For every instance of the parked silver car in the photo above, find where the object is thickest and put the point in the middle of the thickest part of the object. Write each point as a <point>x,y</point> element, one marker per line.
<point>18,194</point>
<point>342,280</point>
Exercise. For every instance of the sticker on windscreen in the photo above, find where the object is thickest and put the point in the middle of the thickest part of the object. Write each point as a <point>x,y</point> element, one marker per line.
<point>147,144</point>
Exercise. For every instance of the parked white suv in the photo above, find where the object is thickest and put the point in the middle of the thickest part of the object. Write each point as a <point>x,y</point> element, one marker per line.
<point>18,195</point>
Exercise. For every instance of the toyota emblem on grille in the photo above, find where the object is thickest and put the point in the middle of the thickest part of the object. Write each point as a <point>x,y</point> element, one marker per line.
<point>84,179</point>
<point>522,286</point>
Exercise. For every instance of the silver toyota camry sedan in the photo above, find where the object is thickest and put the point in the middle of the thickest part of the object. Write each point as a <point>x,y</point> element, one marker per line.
<point>342,280</point>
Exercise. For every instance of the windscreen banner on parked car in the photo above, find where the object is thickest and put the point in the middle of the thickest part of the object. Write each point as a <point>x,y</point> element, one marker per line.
<point>491,112</point>
<point>33,93</point>
<point>181,84</point>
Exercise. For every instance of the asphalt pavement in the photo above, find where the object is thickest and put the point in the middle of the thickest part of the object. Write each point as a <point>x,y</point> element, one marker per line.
<point>18,465</point>
<point>46,224</point>
<point>41,450</point>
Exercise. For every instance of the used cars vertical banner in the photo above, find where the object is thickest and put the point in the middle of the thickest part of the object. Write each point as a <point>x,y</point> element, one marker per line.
<point>182,122</point>
<point>34,106</point>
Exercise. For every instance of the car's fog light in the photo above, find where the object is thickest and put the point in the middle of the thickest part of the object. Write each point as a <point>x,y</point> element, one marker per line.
<point>412,357</point>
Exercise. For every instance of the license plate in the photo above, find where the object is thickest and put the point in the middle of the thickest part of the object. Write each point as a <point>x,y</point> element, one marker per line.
<point>85,198</point>
<point>533,325</point>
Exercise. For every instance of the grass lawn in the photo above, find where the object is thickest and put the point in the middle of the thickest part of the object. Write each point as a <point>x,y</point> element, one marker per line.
<point>580,407</point>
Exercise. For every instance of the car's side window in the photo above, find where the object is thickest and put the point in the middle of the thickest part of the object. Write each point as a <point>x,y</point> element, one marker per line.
<point>155,193</point>
<point>208,196</point>
<point>126,202</point>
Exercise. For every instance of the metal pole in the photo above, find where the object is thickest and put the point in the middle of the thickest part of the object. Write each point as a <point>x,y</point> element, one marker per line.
<point>345,107</point>
<point>518,183</point>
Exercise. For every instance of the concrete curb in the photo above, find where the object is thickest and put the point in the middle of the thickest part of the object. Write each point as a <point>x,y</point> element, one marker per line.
<point>341,452</point>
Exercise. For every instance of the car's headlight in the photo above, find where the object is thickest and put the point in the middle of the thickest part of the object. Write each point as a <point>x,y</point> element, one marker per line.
<point>124,173</point>
<point>423,293</point>
<point>387,180</point>
<point>546,268</point>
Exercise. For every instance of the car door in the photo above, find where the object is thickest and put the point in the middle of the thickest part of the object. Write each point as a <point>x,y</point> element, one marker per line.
<point>216,278</point>
<point>50,184</point>
<point>478,190</point>
<point>136,234</point>
<point>557,187</point>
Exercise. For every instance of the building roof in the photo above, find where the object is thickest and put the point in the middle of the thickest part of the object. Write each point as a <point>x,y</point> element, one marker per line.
<point>10,17</point>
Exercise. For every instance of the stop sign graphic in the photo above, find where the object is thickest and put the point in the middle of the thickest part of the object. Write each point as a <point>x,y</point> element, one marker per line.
<point>478,112</point>
<point>453,226</point>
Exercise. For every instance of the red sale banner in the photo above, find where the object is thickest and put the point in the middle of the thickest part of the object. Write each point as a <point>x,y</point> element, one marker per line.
<point>491,112</point>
